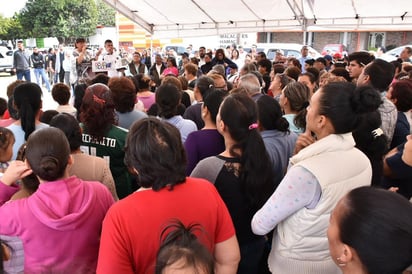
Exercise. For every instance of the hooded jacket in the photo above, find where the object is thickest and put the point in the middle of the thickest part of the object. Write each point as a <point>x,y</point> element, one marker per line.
<point>59,224</point>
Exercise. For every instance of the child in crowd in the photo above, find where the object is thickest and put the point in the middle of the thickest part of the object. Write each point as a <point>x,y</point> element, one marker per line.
<point>4,254</point>
<point>181,251</point>
<point>61,94</point>
<point>3,107</point>
<point>6,147</point>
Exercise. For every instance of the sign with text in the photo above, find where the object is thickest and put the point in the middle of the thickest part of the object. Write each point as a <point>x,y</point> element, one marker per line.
<point>101,66</point>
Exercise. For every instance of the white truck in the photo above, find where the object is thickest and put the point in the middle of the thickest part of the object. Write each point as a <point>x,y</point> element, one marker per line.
<point>6,60</point>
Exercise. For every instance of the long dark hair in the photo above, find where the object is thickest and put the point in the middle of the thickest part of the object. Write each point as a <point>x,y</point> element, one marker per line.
<point>344,104</point>
<point>27,98</point>
<point>239,113</point>
<point>270,114</point>
<point>378,224</point>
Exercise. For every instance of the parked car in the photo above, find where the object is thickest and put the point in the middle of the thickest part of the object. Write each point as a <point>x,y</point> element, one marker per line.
<point>6,60</point>
<point>179,49</point>
<point>248,49</point>
<point>394,53</point>
<point>331,49</point>
<point>289,50</point>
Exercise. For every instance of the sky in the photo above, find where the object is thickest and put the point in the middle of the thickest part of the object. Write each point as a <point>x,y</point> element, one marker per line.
<point>9,7</point>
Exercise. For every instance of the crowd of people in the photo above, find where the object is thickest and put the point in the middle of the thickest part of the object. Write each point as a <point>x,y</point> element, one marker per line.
<point>224,162</point>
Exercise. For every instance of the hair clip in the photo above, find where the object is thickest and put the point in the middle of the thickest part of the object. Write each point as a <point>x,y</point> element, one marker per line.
<point>211,86</point>
<point>377,132</point>
<point>98,100</point>
<point>253,126</point>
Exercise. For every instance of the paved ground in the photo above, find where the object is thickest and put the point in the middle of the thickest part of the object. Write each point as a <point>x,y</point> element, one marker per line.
<point>6,79</point>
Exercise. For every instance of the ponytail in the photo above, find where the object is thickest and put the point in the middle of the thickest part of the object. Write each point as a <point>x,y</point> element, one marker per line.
<point>27,98</point>
<point>239,113</point>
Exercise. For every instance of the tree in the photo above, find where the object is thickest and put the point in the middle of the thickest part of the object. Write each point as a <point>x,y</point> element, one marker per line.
<point>106,15</point>
<point>63,19</point>
<point>11,29</point>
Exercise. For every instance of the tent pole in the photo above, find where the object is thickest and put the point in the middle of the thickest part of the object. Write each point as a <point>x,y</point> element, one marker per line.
<point>304,37</point>
<point>151,49</point>
<point>305,33</point>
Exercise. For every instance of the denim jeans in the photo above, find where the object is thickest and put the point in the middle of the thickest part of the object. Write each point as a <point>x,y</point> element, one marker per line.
<point>23,73</point>
<point>41,72</point>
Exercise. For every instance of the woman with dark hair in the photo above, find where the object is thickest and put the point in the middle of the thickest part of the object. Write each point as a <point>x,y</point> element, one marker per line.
<point>133,226</point>
<point>237,59</point>
<point>326,167</point>
<point>168,98</point>
<point>309,80</point>
<point>27,100</point>
<point>371,140</point>
<point>62,220</point>
<point>293,100</point>
<point>78,92</point>
<point>144,93</point>
<point>204,86</point>
<point>101,137</point>
<point>242,174</point>
<point>11,114</point>
<point>370,231</point>
<point>342,72</point>
<point>187,90</point>
<point>207,141</point>
<point>221,59</point>
<point>146,59</point>
<point>278,139</point>
<point>171,68</point>
<point>124,97</point>
<point>185,100</point>
<point>279,82</point>
<point>400,93</point>
<point>85,167</point>
<point>181,251</point>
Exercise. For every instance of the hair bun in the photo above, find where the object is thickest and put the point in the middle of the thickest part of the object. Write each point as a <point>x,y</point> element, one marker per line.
<point>366,99</point>
<point>49,167</point>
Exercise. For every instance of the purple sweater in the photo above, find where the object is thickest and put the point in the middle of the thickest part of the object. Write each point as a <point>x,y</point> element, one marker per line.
<point>202,144</point>
<point>59,224</point>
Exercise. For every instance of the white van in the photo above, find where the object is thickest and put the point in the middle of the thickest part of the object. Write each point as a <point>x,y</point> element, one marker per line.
<point>6,60</point>
<point>289,50</point>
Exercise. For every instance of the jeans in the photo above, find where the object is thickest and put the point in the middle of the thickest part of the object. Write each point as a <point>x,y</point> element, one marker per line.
<point>23,73</point>
<point>40,72</point>
<point>67,78</point>
<point>61,75</point>
<point>50,73</point>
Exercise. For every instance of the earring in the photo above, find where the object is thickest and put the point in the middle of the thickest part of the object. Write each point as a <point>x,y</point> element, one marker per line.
<point>340,263</point>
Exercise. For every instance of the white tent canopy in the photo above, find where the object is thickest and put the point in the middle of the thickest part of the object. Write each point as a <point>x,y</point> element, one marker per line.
<point>190,18</point>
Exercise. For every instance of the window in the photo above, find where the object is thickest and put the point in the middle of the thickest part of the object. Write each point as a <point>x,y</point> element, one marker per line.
<point>376,39</point>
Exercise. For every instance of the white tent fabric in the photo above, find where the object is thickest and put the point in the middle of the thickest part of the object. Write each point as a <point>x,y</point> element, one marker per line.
<point>190,18</point>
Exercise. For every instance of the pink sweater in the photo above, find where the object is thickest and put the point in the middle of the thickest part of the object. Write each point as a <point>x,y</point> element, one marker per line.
<point>59,224</point>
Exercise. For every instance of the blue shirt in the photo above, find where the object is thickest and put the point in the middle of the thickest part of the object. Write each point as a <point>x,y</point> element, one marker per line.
<point>185,126</point>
